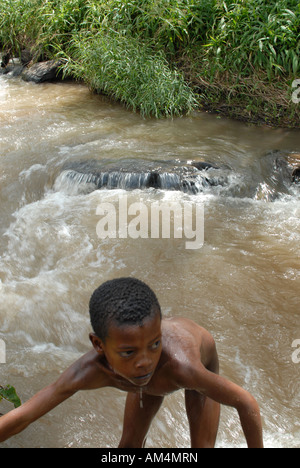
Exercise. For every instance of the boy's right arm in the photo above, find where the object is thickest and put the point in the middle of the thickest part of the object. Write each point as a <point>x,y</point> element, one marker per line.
<point>84,374</point>
<point>44,401</point>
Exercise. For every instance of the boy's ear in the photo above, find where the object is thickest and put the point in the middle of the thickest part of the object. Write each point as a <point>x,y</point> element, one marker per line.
<point>96,342</point>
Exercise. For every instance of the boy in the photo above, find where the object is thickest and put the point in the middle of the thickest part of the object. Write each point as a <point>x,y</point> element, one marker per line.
<point>138,352</point>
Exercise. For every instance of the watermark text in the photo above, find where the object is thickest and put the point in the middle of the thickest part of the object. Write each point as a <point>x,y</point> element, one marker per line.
<point>2,352</point>
<point>159,220</point>
<point>296,353</point>
<point>296,93</point>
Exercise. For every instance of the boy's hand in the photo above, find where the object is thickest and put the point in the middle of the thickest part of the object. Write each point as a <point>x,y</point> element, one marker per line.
<point>44,401</point>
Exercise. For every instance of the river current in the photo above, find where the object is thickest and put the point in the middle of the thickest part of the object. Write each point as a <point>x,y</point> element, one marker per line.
<point>242,284</point>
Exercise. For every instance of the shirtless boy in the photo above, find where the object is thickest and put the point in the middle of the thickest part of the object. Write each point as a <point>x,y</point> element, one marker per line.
<point>136,351</point>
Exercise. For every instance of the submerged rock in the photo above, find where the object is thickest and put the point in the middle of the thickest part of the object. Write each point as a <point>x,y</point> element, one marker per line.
<point>296,176</point>
<point>203,166</point>
<point>138,174</point>
<point>289,165</point>
<point>293,161</point>
<point>271,178</point>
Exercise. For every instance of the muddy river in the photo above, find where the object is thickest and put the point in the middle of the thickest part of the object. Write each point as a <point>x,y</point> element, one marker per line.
<point>242,284</point>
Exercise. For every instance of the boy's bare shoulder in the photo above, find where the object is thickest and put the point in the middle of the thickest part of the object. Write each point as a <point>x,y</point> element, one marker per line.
<point>187,342</point>
<point>87,373</point>
<point>181,327</point>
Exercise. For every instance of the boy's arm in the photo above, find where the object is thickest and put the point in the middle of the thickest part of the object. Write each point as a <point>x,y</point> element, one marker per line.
<point>227,393</point>
<point>44,401</point>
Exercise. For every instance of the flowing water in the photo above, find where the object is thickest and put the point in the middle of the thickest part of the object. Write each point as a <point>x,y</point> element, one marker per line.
<point>242,285</point>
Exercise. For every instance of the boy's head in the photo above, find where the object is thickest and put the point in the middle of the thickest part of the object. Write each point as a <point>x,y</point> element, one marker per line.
<point>122,302</point>
<point>126,318</point>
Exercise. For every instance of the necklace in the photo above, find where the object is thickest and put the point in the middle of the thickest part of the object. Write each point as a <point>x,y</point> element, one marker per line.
<point>141,398</point>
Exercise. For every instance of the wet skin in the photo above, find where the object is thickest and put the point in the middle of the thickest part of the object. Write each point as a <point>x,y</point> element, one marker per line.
<point>131,352</point>
<point>155,358</point>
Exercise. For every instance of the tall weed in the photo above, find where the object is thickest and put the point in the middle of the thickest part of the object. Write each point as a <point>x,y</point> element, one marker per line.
<point>131,72</point>
<point>168,24</point>
<point>256,35</point>
<point>18,25</point>
<point>230,42</point>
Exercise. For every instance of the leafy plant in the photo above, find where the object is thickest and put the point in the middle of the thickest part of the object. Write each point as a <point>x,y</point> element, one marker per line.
<point>170,25</point>
<point>133,73</point>
<point>9,393</point>
<point>256,35</point>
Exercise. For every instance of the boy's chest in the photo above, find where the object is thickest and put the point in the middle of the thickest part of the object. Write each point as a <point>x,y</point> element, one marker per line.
<point>161,384</point>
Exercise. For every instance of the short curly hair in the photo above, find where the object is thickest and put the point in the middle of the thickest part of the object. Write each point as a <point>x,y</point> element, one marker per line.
<point>122,302</point>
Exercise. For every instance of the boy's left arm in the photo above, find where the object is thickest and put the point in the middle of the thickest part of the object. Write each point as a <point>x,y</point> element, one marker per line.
<point>227,393</point>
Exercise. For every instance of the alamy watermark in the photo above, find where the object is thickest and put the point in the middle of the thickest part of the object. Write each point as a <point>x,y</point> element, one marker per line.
<point>296,353</point>
<point>296,93</point>
<point>2,352</point>
<point>159,220</point>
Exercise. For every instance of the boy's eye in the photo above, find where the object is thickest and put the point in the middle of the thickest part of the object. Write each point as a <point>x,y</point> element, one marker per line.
<point>126,354</point>
<point>156,345</point>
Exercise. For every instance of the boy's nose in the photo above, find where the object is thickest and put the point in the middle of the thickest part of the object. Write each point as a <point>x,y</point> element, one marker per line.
<point>144,362</point>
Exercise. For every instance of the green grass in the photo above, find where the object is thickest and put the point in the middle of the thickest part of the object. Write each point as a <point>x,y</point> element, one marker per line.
<point>131,72</point>
<point>160,56</point>
<point>257,35</point>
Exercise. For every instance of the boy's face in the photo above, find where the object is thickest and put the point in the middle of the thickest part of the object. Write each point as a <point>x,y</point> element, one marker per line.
<point>133,352</point>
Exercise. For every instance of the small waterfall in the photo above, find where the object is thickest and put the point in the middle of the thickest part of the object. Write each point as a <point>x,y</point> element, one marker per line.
<point>271,178</point>
<point>74,182</point>
<point>184,179</point>
<point>193,183</point>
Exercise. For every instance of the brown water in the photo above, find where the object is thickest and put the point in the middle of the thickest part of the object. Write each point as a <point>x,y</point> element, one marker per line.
<point>243,285</point>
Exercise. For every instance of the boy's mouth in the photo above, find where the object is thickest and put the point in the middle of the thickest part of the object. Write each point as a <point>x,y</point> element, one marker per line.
<point>143,378</point>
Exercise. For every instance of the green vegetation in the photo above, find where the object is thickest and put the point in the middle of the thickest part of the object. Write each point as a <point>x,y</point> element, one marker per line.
<point>167,57</point>
<point>133,74</point>
<point>9,393</point>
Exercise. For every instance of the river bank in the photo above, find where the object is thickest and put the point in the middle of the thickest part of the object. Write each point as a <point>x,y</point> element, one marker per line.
<point>238,59</point>
<point>248,108</point>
